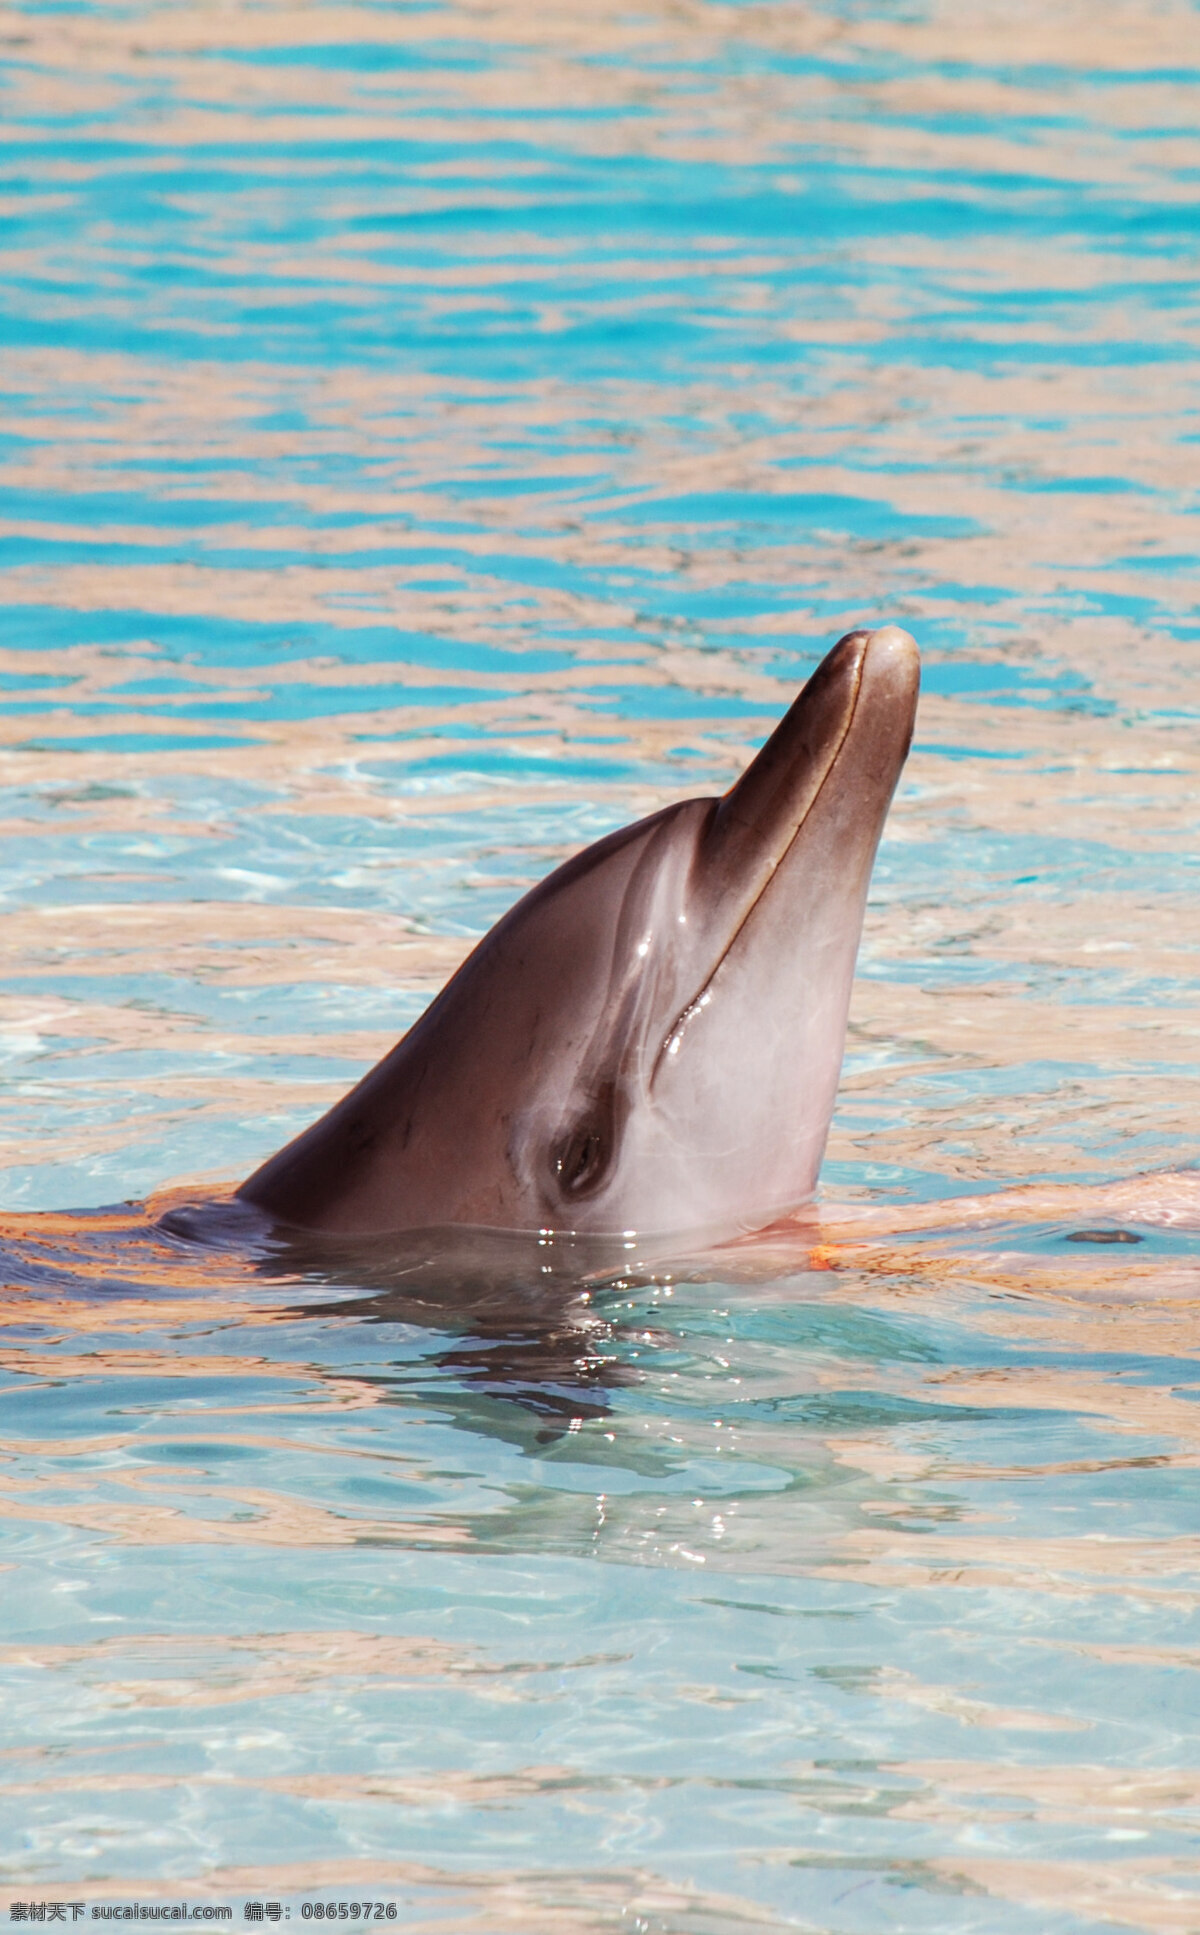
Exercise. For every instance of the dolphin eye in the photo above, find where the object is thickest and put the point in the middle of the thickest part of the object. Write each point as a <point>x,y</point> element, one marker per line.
<point>583,1155</point>
<point>580,1161</point>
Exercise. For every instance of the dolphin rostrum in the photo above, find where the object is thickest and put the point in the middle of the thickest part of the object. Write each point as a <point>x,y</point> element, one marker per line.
<point>649,1042</point>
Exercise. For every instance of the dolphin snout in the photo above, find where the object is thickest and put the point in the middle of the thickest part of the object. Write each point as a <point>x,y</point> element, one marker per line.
<point>886,707</point>
<point>891,674</point>
<point>864,694</point>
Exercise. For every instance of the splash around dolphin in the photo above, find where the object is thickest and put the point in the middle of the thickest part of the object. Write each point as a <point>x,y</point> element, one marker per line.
<point>650,1041</point>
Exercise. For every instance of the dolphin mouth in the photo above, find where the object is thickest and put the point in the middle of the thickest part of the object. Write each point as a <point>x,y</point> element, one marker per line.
<point>860,705</point>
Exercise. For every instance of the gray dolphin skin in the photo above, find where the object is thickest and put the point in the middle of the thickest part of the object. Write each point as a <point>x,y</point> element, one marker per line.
<point>650,1041</point>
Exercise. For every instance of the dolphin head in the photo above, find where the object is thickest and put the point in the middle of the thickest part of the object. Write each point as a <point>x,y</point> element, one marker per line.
<point>650,1041</point>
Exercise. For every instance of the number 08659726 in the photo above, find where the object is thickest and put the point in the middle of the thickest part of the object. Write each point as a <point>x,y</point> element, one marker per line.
<point>348,1911</point>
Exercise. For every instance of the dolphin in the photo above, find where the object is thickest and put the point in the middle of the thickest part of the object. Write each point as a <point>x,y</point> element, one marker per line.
<point>649,1042</point>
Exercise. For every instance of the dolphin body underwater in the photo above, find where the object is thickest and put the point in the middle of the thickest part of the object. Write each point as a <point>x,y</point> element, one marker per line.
<point>649,1042</point>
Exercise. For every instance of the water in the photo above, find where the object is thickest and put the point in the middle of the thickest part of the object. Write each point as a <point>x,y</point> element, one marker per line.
<point>432,436</point>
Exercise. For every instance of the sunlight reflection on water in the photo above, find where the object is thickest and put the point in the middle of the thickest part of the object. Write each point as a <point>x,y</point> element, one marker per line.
<point>430,438</point>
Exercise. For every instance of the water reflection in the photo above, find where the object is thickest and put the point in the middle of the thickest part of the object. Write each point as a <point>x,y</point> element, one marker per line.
<point>801,1465</point>
<point>525,1323</point>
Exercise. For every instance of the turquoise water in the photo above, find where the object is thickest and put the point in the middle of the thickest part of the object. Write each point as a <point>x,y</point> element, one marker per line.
<point>432,436</point>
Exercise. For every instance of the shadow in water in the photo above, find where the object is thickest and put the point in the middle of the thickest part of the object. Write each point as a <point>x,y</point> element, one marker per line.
<point>519,1310</point>
<point>522,1318</point>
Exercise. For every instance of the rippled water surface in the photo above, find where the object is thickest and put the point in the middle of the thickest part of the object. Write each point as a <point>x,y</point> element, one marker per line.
<point>430,436</point>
